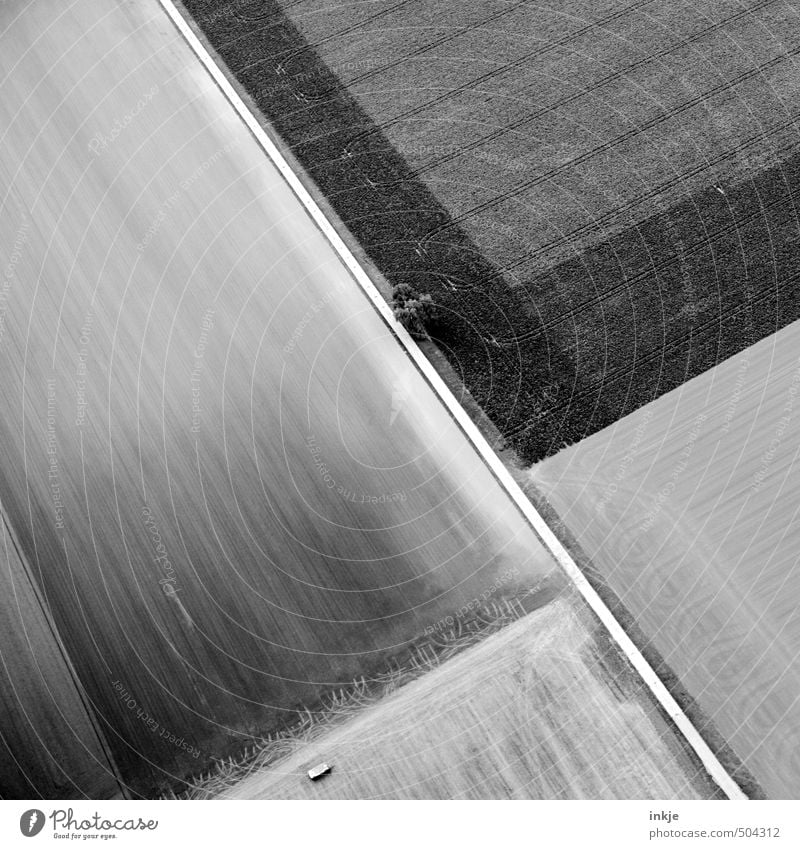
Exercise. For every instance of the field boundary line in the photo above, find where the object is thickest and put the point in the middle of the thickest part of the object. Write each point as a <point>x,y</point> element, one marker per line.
<point>659,691</point>
<point>8,532</point>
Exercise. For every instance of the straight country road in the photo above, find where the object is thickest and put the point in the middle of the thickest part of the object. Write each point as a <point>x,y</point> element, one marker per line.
<point>231,483</point>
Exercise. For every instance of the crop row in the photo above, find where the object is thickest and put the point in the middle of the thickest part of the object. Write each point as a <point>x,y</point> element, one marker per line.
<point>612,328</point>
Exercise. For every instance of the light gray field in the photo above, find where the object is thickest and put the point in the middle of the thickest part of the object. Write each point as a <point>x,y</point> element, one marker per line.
<point>530,713</point>
<point>689,508</point>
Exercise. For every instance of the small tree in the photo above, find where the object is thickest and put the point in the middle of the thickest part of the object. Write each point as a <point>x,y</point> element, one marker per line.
<point>414,311</point>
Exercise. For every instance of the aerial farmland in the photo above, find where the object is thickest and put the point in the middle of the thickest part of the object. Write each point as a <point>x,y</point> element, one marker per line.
<point>689,510</point>
<point>600,196</point>
<point>193,474</point>
<point>399,400</point>
<point>526,714</point>
<point>232,492</point>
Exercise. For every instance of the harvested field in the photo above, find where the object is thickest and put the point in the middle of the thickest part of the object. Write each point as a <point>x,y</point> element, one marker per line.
<point>530,713</point>
<point>600,196</point>
<point>689,510</point>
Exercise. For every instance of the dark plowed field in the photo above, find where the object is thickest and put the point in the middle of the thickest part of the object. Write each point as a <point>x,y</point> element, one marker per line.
<point>600,196</point>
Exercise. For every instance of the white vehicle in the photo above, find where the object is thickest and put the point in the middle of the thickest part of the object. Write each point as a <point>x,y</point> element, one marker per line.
<point>316,772</point>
